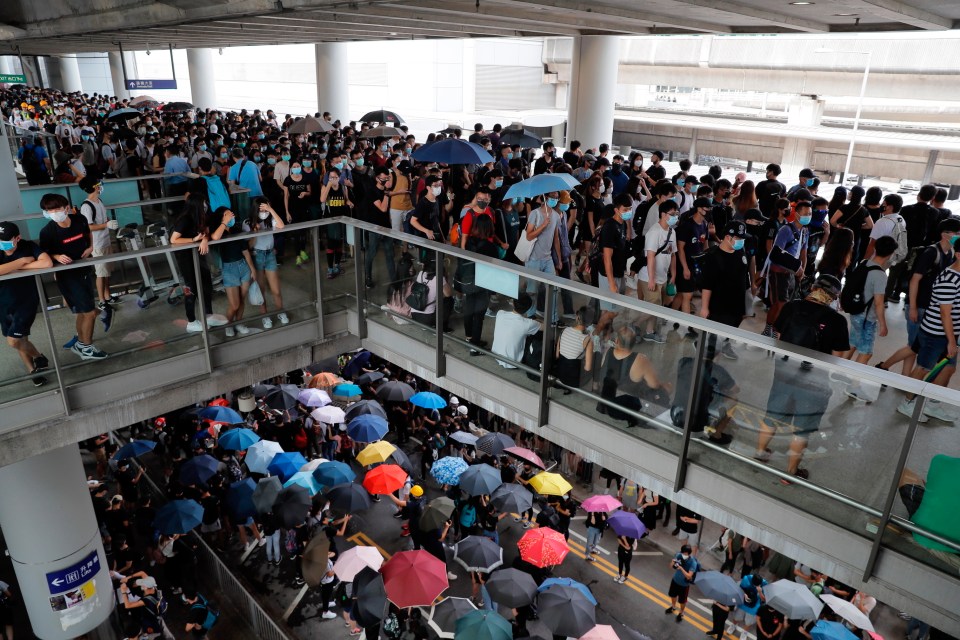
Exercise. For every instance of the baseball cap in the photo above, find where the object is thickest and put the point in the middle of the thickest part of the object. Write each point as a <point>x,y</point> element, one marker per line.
<point>416,491</point>
<point>807,173</point>
<point>702,203</point>
<point>735,228</point>
<point>829,283</point>
<point>147,583</point>
<point>565,197</point>
<point>8,230</point>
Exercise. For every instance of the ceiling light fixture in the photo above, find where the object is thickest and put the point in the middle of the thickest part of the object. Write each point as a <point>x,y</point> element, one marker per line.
<point>801,4</point>
<point>844,15</point>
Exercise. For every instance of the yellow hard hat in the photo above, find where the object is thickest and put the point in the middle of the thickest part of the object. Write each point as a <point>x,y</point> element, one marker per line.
<point>416,491</point>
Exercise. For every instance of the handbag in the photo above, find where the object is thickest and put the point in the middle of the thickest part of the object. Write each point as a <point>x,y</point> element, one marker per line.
<point>524,247</point>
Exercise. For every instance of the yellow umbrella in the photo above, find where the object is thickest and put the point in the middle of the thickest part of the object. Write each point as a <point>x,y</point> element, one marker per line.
<point>376,452</point>
<point>549,484</point>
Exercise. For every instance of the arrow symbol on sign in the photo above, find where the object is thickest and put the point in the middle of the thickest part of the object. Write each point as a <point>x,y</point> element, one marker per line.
<point>56,582</point>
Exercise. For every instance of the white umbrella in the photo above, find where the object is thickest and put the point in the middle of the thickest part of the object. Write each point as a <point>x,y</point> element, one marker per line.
<point>329,415</point>
<point>313,464</point>
<point>464,437</point>
<point>849,612</point>
<point>353,560</point>
<point>313,398</point>
<point>793,600</point>
<point>260,455</point>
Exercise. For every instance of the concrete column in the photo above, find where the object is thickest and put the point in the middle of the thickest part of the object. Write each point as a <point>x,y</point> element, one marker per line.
<point>333,86</point>
<point>51,532</point>
<point>8,65</point>
<point>203,87</point>
<point>116,74</point>
<point>469,72</point>
<point>694,136</point>
<point>70,74</point>
<point>31,69</point>
<point>931,166</point>
<point>10,207</point>
<point>593,84</point>
<point>802,111</point>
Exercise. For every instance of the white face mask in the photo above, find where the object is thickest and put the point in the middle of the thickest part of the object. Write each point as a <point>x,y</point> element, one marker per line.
<point>436,190</point>
<point>56,216</point>
<point>263,215</point>
<point>603,187</point>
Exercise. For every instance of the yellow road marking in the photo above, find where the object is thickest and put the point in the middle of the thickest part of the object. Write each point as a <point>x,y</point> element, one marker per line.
<point>362,539</point>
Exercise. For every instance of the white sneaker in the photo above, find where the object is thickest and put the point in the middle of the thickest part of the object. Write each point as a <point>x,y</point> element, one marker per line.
<point>267,322</point>
<point>451,575</point>
<point>262,542</point>
<point>743,636</point>
<point>282,317</point>
<point>216,320</point>
<point>230,332</point>
<point>906,408</point>
<point>194,327</point>
<point>242,329</point>
<point>329,615</point>
<point>935,409</point>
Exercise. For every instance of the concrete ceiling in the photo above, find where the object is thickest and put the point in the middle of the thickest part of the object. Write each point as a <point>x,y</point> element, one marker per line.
<point>73,26</point>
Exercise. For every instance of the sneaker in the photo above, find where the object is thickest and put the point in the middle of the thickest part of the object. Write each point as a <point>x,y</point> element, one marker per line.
<point>369,283</point>
<point>727,352</point>
<point>39,381</point>
<point>680,617</point>
<point>331,274</point>
<point>216,320</point>
<point>935,409</point>
<point>304,256</point>
<point>669,610</point>
<point>40,362</point>
<point>526,524</point>
<point>590,559</point>
<point>298,582</point>
<point>267,323</point>
<point>262,542</point>
<point>300,261</point>
<point>490,313</point>
<point>618,579</point>
<point>106,317</point>
<point>356,632</point>
<point>88,351</point>
<point>763,456</point>
<point>451,575</point>
<point>230,332</point>
<point>854,391</point>
<point>516,519</point>
<point>101,305</point>
<point>654,337</point>
<point>329,615</point>
<point>331,604</point>
<point>806,365</point>
<point>282,317</point>
<point>744,636</point>
<point>906,408</point>
<point>242,329</point>
<point>194,327</point>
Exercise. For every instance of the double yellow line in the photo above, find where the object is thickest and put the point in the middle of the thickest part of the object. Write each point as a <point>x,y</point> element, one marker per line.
<point>361,538</point>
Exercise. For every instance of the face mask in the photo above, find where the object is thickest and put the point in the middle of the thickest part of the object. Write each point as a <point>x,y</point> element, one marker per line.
<point>602,188</point>
<point>409,149</point>
<point>498,183</point>
<point>257,157</point>
<point>638,163</point>
<point>820,211</point>
<point>296,171</point>
<point>7,245</point>
<point>565,206</point>
<point>483,203</point>
<point>738,244</point>
<point>510,156</point>
<point>285,157</point>
<point>383,147</point>
<point>626,215</point>
<point>489,147</point>
<point>224,156</point>
<point>680,183</point>
<point>685,556</point>
<point>359,162</point>
<point>271,161</point>
<point>261,136</point>
<point>617,168</point>
<point>84,138</point>
<point>263,215</point>
<point>436,190</point>
<point>517,200</point>
<point>805,220</point>
<point>552,202</point>
<point>56,216</point>
<point>242,144</point>
<point>67,122</point>
<point>308,163</point>
<point>339,165</point>
<point>231,222</point>
<point>672,221</point>
<point>809,182</point>
<point>202,147</point>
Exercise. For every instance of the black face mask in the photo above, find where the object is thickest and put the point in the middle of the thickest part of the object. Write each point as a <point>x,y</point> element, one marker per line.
<point>616,169</point>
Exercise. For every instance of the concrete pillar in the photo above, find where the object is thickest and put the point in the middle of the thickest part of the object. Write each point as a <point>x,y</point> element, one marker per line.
<point>931,165</point>
<point>116,74</point>
<point>333,86</point>
<point>694,135</point>
<point>10,207</point>
<point>203,87</point>
<point>31,69</point>
<point>54,543</point>
<point>802,111</point>
<point>70,74</point>
<point>469,71</point>
<point>593,84</point>
<point>8,65</point>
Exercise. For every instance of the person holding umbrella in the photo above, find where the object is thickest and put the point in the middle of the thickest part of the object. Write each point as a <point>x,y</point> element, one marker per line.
<point>596,524</point>
<point>624,557</point>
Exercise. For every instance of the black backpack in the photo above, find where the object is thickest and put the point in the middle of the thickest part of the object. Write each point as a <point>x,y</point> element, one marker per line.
<point>801,324</point>
<point>419,295</point>
<point>32,168</point>
<point>853,299</point>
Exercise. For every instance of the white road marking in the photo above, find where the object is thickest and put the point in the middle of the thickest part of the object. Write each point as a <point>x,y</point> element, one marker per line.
<point>296,602</point>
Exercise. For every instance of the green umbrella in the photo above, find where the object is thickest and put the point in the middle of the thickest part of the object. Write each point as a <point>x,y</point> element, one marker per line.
<point>483,625</point>
<point>438,511</point>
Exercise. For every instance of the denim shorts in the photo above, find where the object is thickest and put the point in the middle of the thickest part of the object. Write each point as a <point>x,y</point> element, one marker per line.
<point>932,348</point>
<point>264,260</point>
<point>863,333</point>
<point>912,327</point>
<point>235,273</point>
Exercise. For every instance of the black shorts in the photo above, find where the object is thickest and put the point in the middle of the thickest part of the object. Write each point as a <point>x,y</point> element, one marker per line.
<point>678,592</point>
<point>17,318</point>
<point>781,285</point>
<point>78,289</point>
<point>684,285</point>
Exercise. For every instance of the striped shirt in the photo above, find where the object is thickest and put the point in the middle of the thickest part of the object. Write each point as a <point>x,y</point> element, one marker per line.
<point>946,290</point>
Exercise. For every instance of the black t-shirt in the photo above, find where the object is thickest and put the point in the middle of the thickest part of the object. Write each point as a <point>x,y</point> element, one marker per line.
<point>294,189</point>
<point>688,527</point>
<point>211,509</point>
<point>337,201</point>
<point>852,216</point>
<point>725,276</point>
<point>187,227</point>
<point>22,291</point>
<point>694,237</point>
<point>427,215</point>
<point>372,214</point>
<point>656,172</point>
<point>831,326</point>
<point>918,218</point>
<point>71,241</point>
<point>930,263</point>
<point>613,235</point>
<point>229,251</point>
<point>770,618</point>
<point>768,192</point>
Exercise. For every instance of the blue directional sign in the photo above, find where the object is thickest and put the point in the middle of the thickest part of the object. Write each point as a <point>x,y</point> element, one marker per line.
<point>134,85</point>
<point>73,576</point>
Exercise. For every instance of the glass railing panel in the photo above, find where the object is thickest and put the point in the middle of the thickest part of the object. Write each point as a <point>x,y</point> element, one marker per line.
<point>26,366</point>
<point>337,253</point>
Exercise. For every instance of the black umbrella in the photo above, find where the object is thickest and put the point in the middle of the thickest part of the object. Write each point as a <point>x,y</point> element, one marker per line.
<point>566,611</point>
<point>284,398</point>
<point>438,511</point>
<point>480,480</point>
<point>511,498</point>
<point>122,115</point>
<point>310,124</point>
<point>349,497</point>
<point>512,588</point>
<point>357,363</point>
<point>364,407</point>
<point>292,505</point>
<point>381,116</point>
<point>330,364</point>
<point>260,390</point>
<point>395,391</point>
<point>178,106</point>
<point>494,443</point>
<point>442,617</point>
<point>371,597</point>
<point>265,495</point>
<point>399,458</point>
<point>368,378</point>
<point>523,137</point>
<point>478,553</point>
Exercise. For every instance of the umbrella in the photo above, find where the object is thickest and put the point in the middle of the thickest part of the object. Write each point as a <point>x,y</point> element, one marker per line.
<point>310,124</point>
<point>240,499</point>
<point>324,379</point>
<point>178,516</point>
<point>375,452</point>
<point>313,398</point>
<point>601,632</point>
<point>511,587</point>
<point>626,633</point>
<point>447,470</point>
<point>332,473</point>
<point>383,132</point>
<point>356,364</point>
<point>526,455</point>
<point>824,630</point>
<point>483,625</point>
<point>480,480</point>
<point>371,595</point>
<point>541,184</point>
<point>384,479</point>
<point>260,390</point>
<point>134,448</point>
<point>349,497</point>
<point>401,459</point>
<point>198,470</point>
<point>286,464</point>
<point>438,511</point>
<point>356,558</point>
<point>329,365</point>
<point>368,428</point>
<point>283,398</point>
<point>442,617</point>
<point>792,599</point>
<point>328,414</point>
<point>550,484</point>
<point>395,391</point>
<point>381,116</point>
<point>512,498</point>
<point>543,547</point>
<point>142,99</point>
<point>494,443</point>
<point>368,378</point>
<point>260,455</point>
<point>625,523</point>
<point>306,480</point>
<point>315,560</point>
<point>266,493</point>
<point>523,137</point>
<point>312,465</point>
<point>292,505</point>
<point>427,400</point>
<point>414,578</point>
<point>567,582</point>
<point>123,115</point>
<point>238,439</point>
<point>848,611</point>
<point>601,502</point>
<point>478,553</point>
<point>566,611</point>
<point>464,437</point>
<point>452,151</point>
<point>365,407</point>
<point>178,106</point>
<point>346,390</point>
<point>226,415</point>
<point>720,587</point>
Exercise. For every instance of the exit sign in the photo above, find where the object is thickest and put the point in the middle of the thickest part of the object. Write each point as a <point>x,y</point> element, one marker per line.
<point>12,79</point>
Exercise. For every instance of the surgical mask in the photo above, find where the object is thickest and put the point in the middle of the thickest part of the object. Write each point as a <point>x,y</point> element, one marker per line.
<point>296,171</point>
<point>489,147</point>
<point>685,556</point>
<point>84,138</point>
<point>257,157</point>
<point>602,188</point>
<point>7,245</point>
<point>552,202</point>
<point>510,156</point>
<point>308,163</point>
<point>66,122</point>
<point>359,162</point>
<point>242,144</point>
<point>498,183</point>
<point>672,221</point>
<point>231,222</point>
<point>56,216</point>
<point>627,215</point>
<point>738,244</point>
<point>285,157</point>
<point>261,136</point>
<point>384,147</point>
<point>202,147</point>
<point>809,182</point>
<point>565,206</point>
<point>263,215</point>
<point>339,165</point>
<point>680,183</point>
<point>638,163</point>
<point>436,190</point>
<point>271,161</point>
<point>805,220</point>
<point>409,149</point>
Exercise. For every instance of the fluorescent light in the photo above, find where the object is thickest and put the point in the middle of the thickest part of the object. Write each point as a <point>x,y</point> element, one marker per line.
<point>801,4</point>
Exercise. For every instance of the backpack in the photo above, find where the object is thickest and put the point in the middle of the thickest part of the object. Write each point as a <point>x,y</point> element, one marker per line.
<point>407,227</point>
<point>391,626</point>
<point>853,299</point>
<point>596,252</point>
<point>32,167</point>
<point>468,516</point>
<point>419,296</point>
<point>465,277</point>
<point>154,607</point>
<point>900,235</point>
<point>454,238</point>
<point>801,325</point>
<point>213,613</point>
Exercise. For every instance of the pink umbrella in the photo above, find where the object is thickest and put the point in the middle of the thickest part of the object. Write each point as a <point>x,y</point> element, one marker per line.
<point>600,632</point>
<point>601,502</point>
<point>526,455</point>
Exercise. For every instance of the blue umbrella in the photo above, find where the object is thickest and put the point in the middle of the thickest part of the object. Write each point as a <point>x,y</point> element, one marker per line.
<point>240,499</point>
<point>627,524</point>
<point>124,114</point>
<point>367,428</point>
<point>306,480</point>
<point>567,582</point>
<point>286,464</point>
<point>356,364</point>
<point>483,625</point>
<point>198,470</point>
<point>221,414</point>
<point>452,151</point>
<point>134,449</point>
<point>721,587</point>
<point>448,470</point>
<point>238,439</point>
<point>178,516</point>
<point>541,184</point>
<point>331,473</point>
<point>824,630</point>
<point>346,390</point>
<point>428,400</point>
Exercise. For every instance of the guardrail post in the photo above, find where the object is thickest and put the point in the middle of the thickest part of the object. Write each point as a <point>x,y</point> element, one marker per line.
<point>318,275</point>
<point>440,365</point>
<point>54,358</point>
<point>546,354</point>
<point>359,243</point>
<point>201,300</point>
<point>693,400</point>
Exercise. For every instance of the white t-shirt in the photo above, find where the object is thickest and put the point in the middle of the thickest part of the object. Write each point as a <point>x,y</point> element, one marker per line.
<point>510,335</point>
<point>652,241</point>
<point>96,213</point>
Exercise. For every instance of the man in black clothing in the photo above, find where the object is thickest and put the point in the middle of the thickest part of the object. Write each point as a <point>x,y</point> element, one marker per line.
<point>655,172</point>
<point>725,281</point>
<point>477,134</point>
<point>545,162</point>
<point>426,217</point>
<point>921,220</point>
<point>613,256</point>
<point>770,190</point>
<point>377,211</point>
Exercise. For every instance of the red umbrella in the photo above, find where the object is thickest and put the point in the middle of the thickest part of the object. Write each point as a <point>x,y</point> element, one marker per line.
<point>384,479</point>
<point>543,547</point>
<point>526,455</point>
<point>414,578</point>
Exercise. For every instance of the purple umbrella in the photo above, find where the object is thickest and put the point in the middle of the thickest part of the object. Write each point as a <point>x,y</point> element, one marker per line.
<point>626,524</point>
